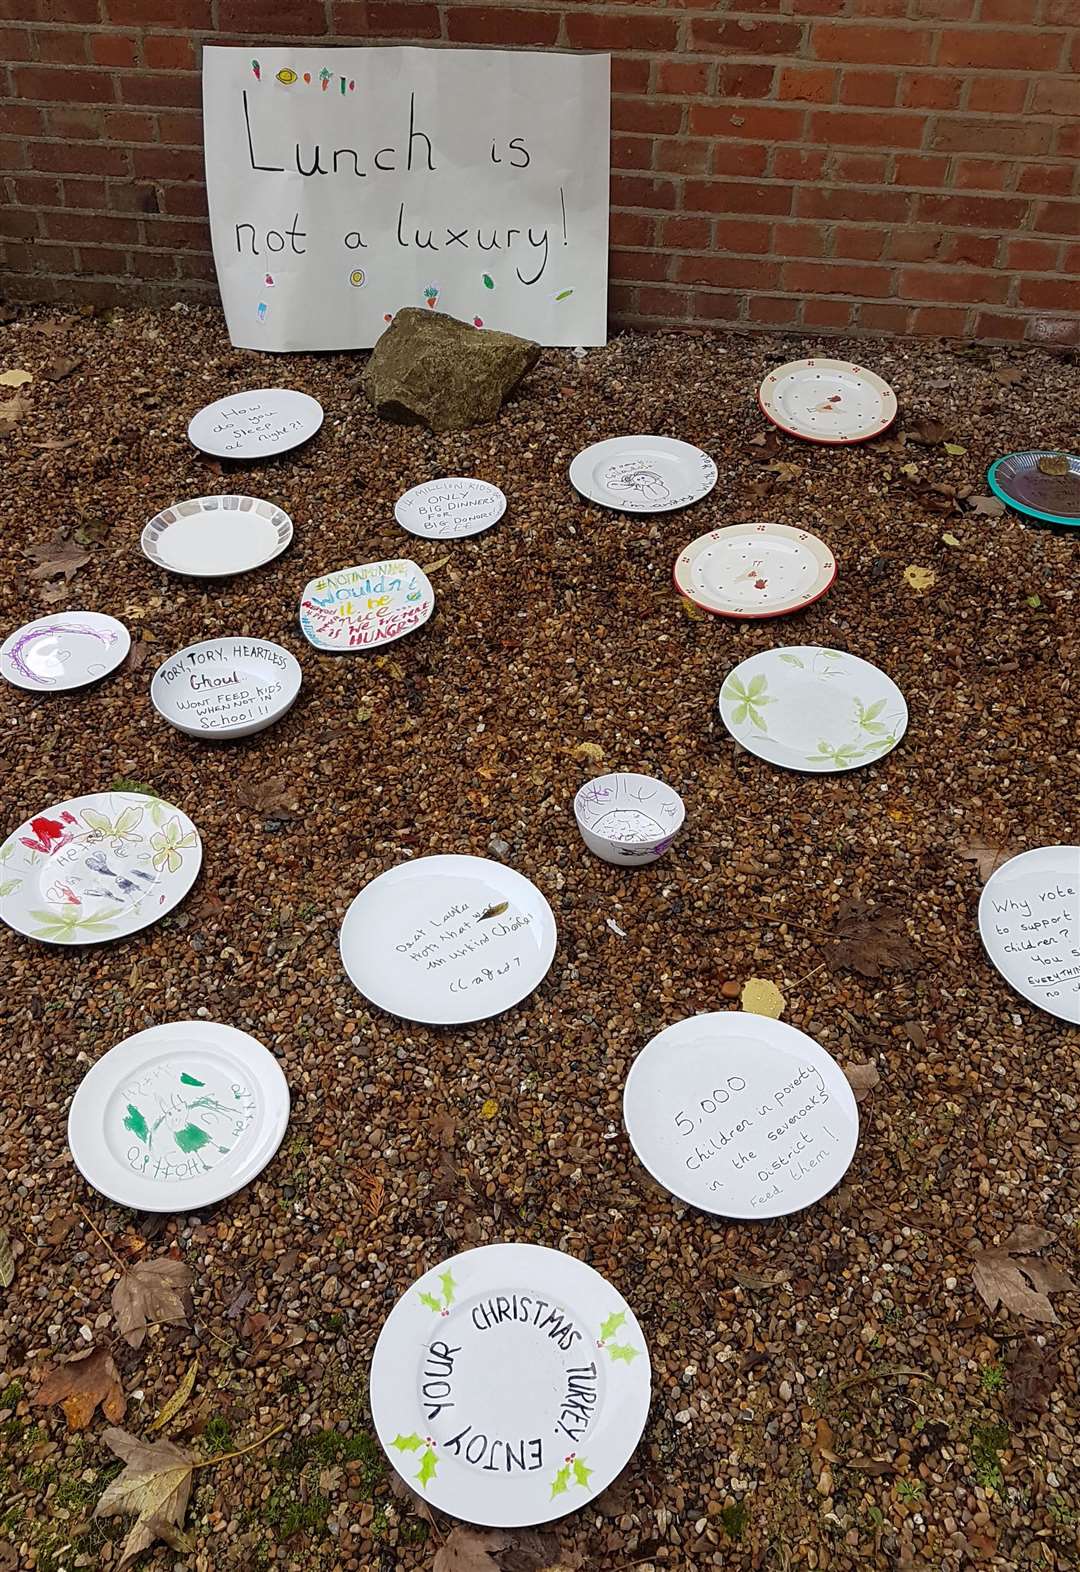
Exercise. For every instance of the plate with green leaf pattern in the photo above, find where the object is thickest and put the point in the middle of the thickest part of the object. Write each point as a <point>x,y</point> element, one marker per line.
<point>97,867</point>
<point>808,708</point>
<point>510,1385</point>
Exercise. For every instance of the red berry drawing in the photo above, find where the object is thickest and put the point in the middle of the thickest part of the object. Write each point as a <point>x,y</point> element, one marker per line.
<point>760,583</point>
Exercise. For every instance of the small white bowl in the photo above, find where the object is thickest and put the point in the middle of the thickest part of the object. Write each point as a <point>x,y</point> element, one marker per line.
<point>628,819</point>
<point>226,688</point>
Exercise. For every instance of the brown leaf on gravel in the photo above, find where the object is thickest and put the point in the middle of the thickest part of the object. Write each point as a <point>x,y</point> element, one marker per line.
<point>155,1486</point>
<point>139,652</point>
<point>61,366</point>
<point>928,433</point>
<point>56,556</point>
<point>444,1127</point>
<point>869,941</point>
<point>11,412</point>
<point>870,1465</point>
<point>821,1455</point>
<point>274,798</point>
<point>988,859</point>
<point>1007,1275</point>
<point>80,1384</point>
<point>862,1078</point>
<point>466,1550</point>
<point>55,444</point>
<point>152,1293</point>
<point>755,1281</point>
<point>404,1492</point>
<point>1008,376</point>
<point>1033,1373</point>
<point>992,507</point>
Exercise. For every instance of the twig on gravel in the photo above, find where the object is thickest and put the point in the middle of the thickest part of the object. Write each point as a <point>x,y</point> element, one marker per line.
<point>225,1457</point>
<point>879,1374</point>
<point>88,1219</point>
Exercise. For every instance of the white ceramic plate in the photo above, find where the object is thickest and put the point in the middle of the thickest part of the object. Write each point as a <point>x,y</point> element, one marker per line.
<point>755,570</point>
<point>178,1117</point>
<point>450,509</point>
<point>1029,920</point>
<point>740,1115</point>
<point>226,687</point>
<point>364,607</point>
<point>211,537</point>
<point>827,401</point>
<point>510,1385</point>
<point>97,867</point>
<point>67,650</point>
<point>255,424</point>
<point>417,941</point>
<point>813,709</point>
<point>643,474</point>
<point>628,819</point>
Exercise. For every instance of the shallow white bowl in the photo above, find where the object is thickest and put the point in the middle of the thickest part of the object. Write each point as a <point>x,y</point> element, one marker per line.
<point>225,688</point>
<point>628,819</point>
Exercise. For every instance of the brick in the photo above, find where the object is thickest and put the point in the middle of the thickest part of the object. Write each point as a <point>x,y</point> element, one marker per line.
<point>951,284</point>
<point>1057,95</point>
<point>866,44</point>
<point>56,84</point>
<point>631,152</point>
<point>154,264</point>
<point>914,245</point>
<point>125,197</point>
<point>646,115</point>
<point>990,324</point>
<point>21,120</point>
<point>728,272</point>
<point>167,163</point>
<point>686,78</point>
<point>980,174</point>
<point>631,229</point>
<point>1046,179</point>
<point>769,123</point>
<point>942,10</point>
<point>925,90</point>
<point>744,80</point>
<point>886,207</point>
<point>69,10</point>
<point>811,84</point>
<point>592,30</point>
<point>123,125</point>
<point>182,201</point>
<point>859,242</point>
<point>736,197</point>
<point>916,169</point>
<point>1051,294</point>
<point>1057,218</point>
<point>739,158</point>
<point>684,156</point>
<point>827,313</point>
<point>745,37</point>
<point>168,53</point>
<point>629,76</point>
<point>648,266</point>
<point>639,191</point>
<point>814,278</point>
<point>1006,11</point>
<point>92,158</point>
<point>37,191</point>
<point>939,321</point>
<point>673,304</point>
<point>977,250</point>
<point>1067,141</point>
<point>799,240</point>
<point>978,212</point>
<point>179,234</point>
<point>1059,13</point>
<point>864,169</point>
<point>76,125</point>
<point>497,25</point>
<point>180,13</point>
<point>1015,138</point>
<point>18,223</point>
<point>171,92</point>
<point>1039,256</point>
<point>1056,332</point>
<point>869,89</point>
<point>686,234</point>
<point>87,191</point>
<point>54,46</point>
<point>997,95</point>
<point>1070,263</point>
<point>876,317</point>
<point>742,236</point>
<point>296,19</point>
<point>96,259</point>
<point>716,308</point>
<point>91,227</point>
<point>798,163</point>
<point>775,310</point>
<point>114,49</point>
<point>854,128</point>
<point>197,264</point>
<point>177,129</point>
<point>392,19</point>
<point>13,154</point>
<point>1035,50</point>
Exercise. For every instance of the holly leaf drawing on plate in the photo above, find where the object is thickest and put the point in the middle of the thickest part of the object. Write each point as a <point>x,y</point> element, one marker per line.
<point>431,1302</point>
<point>747,700</point>
<point>448,1286</point>
<point>411,1443</point>
<point>428,1464</point>
<point>616,1319</point>
<point>561,1483</point>
<point>622,1352</point>
<point>581,1473</point>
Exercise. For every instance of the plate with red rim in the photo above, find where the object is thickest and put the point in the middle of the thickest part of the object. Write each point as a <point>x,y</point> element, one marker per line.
<point>754,570</point>
<point>831,401</point>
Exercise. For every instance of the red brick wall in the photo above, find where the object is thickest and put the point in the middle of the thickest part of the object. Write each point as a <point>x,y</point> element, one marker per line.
<point>904,166</point>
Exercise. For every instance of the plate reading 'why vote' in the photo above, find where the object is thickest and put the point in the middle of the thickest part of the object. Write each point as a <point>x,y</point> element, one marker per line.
<point>740,1115</point>
<point>1029,920</point>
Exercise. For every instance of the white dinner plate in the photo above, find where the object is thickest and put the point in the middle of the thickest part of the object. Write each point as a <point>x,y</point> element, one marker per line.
<point>510,1385</point>
<point>813,709</point>
<point>643,474</point>
<point>97,867</point>
<point>827,401</point>
<point>256,424</point>
<point>755,570</point>
<point>444,940</point>
<point>63,651</point>
<point>1029,921</point>
<point>364,607</point>
<point>178,1116</point>
<point>226,687</point>
<point>450,509</point>
<point>211,537</point>
<point>740,1115</point>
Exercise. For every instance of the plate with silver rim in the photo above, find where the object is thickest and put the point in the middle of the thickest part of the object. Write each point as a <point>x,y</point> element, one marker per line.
<point>829,401</point>
<point>66,650</point>
<point>754,570</point>
<point>212,537</point>
<point>643,474</point>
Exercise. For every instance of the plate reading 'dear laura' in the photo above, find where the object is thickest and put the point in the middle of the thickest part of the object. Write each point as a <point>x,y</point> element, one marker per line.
<point>510,1385</point>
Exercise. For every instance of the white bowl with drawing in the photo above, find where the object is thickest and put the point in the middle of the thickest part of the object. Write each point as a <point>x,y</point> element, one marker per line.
<point>628,819</point>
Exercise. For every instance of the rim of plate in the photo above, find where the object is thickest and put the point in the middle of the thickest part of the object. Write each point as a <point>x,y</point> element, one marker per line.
<point>426,587</point>
<point>92,799</point>
<point>617,443</point>
<point>285,532</point>
<point>228,398</point>
<point>1023,507</point>
<point>726,1023</point>
<point>753,616</point>
<point>18,681</point>
<point>877,382</point>
<point>295,678</point>
<point>498,502</point>
<point>142,1192</point>
<point>983,919</point>
<point>352,918</point>
<point>394,1355</point>
<point>809,769</point>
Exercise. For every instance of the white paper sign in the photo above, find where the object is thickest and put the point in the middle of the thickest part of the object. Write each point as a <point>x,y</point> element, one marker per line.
<point>346,183</point>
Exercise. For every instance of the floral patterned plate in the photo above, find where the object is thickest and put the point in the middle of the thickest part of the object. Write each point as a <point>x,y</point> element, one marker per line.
<point>828,401</point>
<point>97,867</point>
<point>754,570</point>
<point>813,709</point>
<point>178,1117</point>
<point>510,1384</point>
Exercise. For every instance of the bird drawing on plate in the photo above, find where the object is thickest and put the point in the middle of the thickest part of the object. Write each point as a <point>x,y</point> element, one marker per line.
<point>97,864</point>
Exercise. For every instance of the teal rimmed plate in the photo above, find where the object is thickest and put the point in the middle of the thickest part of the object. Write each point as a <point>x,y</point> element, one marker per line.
<point>1018,481</point>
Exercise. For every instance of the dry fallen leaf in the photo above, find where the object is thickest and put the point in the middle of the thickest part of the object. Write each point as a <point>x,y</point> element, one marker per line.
<point>919,578</point>
<point>754,1281</point>
<point>7,1260</point>
<point>274,798</point>
<point>56,556</point>
<point>1033,1373</point>
<point>869,941</point>
<point>80,1384</point>
<point>433,567</point>
<point>155,1486</point>
<point>950,540</point>
<point>1054,464</point>
<point>588,750</point>
<point>1012,1275</point>
<point>10,415</point>
<point>695,612</point>
<point>992,507</point>
<point>466,1550</point>
<point>1009,376</point>
<point>821,1455</point>
<point>61,366</point>
<point>988,859</point>
<point>56,444</point>
<point>926,432</point>
<point>862,1078</point>
<point>14,379</point>
<point>151,1293</point>
<point>175,1403</point>
<point>954,449</point>
<point>762,997</point>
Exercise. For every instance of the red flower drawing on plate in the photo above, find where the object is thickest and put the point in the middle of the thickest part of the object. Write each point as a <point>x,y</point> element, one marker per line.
<point>761,583</point>
<point>48,834</point>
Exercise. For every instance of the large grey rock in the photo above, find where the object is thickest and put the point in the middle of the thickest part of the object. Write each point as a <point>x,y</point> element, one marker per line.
<point>430,369</point>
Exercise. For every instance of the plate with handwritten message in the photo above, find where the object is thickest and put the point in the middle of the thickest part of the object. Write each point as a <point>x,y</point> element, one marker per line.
<point>828,401</point>
<point>813,709</point>
<point>740,1115</point>
<point>444,940</point>
<point>226,687</point>
<point>1029,920</point>
<point>362,608</point>
<point>643,474</point>
<point>63,651</point>
<point>256,424</point>
<point>1040,484</point>
<point>754,570</point>
<point>510,1384</point>
<point>97,867</point>
<point>211,537</point>
<point>451,508</point>
<point>178,1116</point>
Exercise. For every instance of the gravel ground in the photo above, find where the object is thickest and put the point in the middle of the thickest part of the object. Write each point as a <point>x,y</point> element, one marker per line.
<point>829,1390</point>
